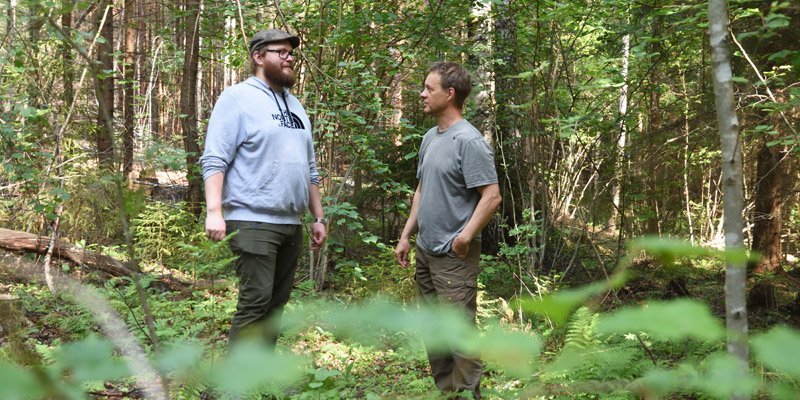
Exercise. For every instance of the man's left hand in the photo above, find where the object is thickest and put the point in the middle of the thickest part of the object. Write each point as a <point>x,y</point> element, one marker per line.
<point>318,235</point>
<point>460,246</point>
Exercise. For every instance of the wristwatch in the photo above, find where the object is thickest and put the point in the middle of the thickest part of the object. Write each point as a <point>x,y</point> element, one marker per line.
<point>322,221</point>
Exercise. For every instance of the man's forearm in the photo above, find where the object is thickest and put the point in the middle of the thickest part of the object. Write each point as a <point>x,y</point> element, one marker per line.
<point>487,205</point>
<point>213,189</point>
<point>412,225</point>
<point>315,201</point>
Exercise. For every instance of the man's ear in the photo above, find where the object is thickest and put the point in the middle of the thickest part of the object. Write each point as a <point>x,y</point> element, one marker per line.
<point>258,58</point>
<point>451,93</point>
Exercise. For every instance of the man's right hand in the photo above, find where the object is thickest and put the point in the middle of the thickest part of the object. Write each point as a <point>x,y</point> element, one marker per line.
<point>401,252</point>
<point>215,226</point>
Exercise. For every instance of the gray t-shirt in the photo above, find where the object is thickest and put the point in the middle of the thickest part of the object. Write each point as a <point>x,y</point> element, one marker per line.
<point>452,164</point>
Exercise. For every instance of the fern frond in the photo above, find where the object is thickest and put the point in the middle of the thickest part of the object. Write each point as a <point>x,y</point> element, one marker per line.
<point>581,332</point>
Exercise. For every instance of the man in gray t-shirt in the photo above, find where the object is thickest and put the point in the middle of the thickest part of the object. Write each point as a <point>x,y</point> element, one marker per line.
<point>456,197</point>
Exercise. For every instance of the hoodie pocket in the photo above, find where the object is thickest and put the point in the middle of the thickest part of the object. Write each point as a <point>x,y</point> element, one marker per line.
<point>284,190</point>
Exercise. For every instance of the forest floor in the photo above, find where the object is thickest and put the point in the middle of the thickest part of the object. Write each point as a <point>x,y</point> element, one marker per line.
<point>394,367</point>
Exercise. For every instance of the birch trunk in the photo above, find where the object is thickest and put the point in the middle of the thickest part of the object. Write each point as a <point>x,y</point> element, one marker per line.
<point>732,196</point>
<point>616,190</point>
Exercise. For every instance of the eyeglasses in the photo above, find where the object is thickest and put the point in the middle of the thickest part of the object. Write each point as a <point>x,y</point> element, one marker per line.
<point>282,53</point>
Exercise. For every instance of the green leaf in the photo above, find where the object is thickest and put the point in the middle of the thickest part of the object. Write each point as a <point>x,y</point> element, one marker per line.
<point>91,359</point>
<point>779,349</point>
<point>323,374</point>
<point>512,351</point>
<point>559,306</point>
<point>671,320</point>
<point>661,382</point>
<point>17,383</point>
<point>666,250</point>
<point>251,364</point>
<point>179,357</point>
<point>783,391</point>
<point>410,155</point>
<point>726,377</point>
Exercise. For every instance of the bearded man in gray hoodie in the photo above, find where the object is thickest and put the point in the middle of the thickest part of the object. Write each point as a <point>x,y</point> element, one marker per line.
<point>260,178</point>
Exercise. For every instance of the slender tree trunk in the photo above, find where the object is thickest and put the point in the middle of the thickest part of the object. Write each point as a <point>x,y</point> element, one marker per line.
<point>189,106</point>
<point>506,124</point>
<point>686,131</point>
<point>12,17</point>
<point>619,154</point>
<point>66,54</point>
<point>129,87</point>
<point>104,85</point>
<point>480,32</point>
<point>654,166</point>
<point>733,202</point>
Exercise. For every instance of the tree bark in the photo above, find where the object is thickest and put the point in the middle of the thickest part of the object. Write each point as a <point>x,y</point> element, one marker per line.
<point>68,74</point>
<point>733,202</point>
<point>654,167</point>
<point>506,123</point>
<point>772,178</point>
<point>189,106</point>
<point>104,85</point>
<point>619,153</point>
<point>129,87</point>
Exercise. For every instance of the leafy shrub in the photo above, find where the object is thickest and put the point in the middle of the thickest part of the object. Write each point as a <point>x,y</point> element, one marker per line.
<point>168,234</point>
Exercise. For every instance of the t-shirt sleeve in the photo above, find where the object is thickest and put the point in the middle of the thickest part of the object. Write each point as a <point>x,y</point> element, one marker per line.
<point>421,154</point>
<point>477,164</point>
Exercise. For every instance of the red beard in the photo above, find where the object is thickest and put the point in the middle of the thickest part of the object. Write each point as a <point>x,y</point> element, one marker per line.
<point>276,74</point>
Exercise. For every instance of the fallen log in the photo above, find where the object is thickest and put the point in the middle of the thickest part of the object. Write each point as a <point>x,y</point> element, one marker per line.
<point>16,242</point>
<point>27,242</point>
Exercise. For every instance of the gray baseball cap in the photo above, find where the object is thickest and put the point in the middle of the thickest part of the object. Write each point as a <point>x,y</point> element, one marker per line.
<point>272,35</point>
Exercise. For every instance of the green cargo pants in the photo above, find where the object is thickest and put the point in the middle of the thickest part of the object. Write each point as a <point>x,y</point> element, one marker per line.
<point>266,265</point>
<point>448,279</point>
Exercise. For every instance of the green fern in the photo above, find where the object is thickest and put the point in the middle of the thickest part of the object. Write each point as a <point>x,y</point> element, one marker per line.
<point>581,332</point>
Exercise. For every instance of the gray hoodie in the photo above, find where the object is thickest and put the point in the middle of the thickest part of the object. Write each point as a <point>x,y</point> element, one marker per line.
<point>261,140</point>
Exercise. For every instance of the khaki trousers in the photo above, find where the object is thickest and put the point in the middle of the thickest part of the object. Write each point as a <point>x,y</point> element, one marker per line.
<point>448,279</point>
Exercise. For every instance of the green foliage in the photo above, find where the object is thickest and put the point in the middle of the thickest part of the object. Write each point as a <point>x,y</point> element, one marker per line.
<point>581,331</point>
<point>779,350</point>
<point>673,320</point>
<point>17,383</point>
<point>588,355</point>
<point>560,305</point>
<point>379,275</point>
<point>168,234</point>
<point>159,227</point>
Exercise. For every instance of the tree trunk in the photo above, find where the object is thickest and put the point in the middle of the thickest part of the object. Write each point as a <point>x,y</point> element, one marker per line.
<point>480,32</point>
<point>735,277</point>
<point>12,17</point>
<point>66,54</point>
<point>129,87</point>
<point>619,153</point>
<point>506,124</point>
<point>654,167</point>
<point>189,107</point>
<point>104,85</point>
<point>686,132</point>
<point>771,179</point>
